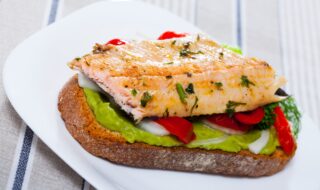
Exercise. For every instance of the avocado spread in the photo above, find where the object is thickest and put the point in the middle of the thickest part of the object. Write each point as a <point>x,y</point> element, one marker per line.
<point>112,119</point>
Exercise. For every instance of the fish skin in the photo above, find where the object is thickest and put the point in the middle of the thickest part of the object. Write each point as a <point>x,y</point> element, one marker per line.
<point>157,66</point>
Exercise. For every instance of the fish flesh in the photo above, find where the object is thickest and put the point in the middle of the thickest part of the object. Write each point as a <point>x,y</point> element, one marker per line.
<point>188,76</point>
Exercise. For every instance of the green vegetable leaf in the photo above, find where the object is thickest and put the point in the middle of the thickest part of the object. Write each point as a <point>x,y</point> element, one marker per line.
<point>269,116</point>
<point>292,113</point>
<point>146,97</point>
<point>182,94</point>
<point>289,108</point>
<point>231,48</point>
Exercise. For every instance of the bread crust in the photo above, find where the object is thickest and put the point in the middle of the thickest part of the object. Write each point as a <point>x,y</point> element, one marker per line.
<point>99,141</point>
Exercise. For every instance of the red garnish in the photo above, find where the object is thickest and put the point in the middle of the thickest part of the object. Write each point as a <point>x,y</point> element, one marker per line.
<point>250,118</point>
<point>282,127</point>
<point>228,122</point>
<point>171,34</point>
<point>179,127</point>
<point>116,42</point>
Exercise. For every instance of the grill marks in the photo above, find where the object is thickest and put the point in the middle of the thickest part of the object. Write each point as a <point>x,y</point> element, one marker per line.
<point>140,66</point>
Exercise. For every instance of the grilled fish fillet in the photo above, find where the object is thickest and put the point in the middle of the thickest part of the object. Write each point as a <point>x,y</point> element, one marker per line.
<point>183,77</point>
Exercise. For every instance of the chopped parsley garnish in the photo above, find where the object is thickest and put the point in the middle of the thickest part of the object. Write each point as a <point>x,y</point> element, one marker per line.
<point>184,53</point>
<point>218,85</point>
<point>146,97</point>
<point>77,58</point>
<point>168,63</point>
<point>246,82</point>
<point>231,106</point>
<point>195,105</point>
<point>269,116</point>
<point>134,92</point>
<point>173,42</point>
<point>187,53</point>
<point>182,94</point>
<point>190,89</point>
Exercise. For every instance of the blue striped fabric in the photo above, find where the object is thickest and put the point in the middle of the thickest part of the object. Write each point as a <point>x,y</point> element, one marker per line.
<point>28,136</point>
<point>239,23</point>
<point>23,159</point>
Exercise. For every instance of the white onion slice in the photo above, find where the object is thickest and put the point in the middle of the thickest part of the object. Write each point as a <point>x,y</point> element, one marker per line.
<point>260,143</point>
<point>85,82</point>
<point>221,128</point>
<point>153,127</point>
<point>216,140</point>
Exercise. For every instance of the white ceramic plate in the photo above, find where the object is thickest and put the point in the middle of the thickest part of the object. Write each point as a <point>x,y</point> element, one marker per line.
<point>36,71</point>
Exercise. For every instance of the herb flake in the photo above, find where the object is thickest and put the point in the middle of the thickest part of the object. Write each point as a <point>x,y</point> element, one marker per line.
<point>188,53</point>
<point>221,55</point>
<point>182,94</point>
<point>231,106</point>
<point>168,63</point>
<point>190,89</point>
<point>166,113</point>
<point>246,82</point>
<point>218,85</point>
<point>194,105</point>
<point>134,92</point>
<point>198,37</point>
<point>186,45</point>
<point>146,97</point>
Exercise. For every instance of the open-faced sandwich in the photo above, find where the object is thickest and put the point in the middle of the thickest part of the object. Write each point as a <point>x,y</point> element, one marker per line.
<point>181,102</point>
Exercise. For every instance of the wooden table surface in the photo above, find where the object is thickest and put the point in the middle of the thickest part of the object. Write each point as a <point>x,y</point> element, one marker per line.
<point>286,33</point>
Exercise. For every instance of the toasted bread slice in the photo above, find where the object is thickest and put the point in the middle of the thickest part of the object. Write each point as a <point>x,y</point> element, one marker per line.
<point>99,141</point>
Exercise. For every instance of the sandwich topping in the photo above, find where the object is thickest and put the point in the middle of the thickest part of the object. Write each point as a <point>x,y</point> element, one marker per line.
<point>171,73</point>
<point>187,90</point>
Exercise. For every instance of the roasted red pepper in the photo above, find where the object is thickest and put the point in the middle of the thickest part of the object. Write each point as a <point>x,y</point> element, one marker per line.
<point>250,118</point>
<point>171,34</point>
<point>116,42</point>
<point>282,127</point>
<point>179,127</point>
<point>228,122</point>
